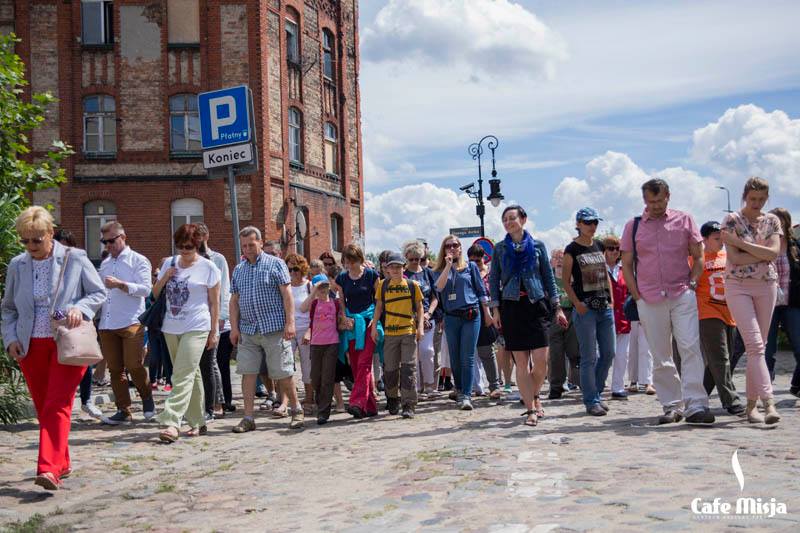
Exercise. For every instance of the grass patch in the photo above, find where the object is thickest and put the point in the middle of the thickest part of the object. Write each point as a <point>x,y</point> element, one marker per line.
<point>436,455</point>
<point>377,514</point>
<point>165,487</point>
<point>34,524</point>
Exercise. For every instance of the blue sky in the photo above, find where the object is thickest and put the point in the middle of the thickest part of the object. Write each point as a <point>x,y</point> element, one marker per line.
<point>588,100</point>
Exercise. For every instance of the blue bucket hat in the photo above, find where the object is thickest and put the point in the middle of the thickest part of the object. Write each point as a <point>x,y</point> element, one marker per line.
<point>587,214</point>
<point>320,279</point>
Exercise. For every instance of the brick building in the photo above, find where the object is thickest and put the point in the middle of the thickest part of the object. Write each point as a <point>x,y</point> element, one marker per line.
<point>127,72</point>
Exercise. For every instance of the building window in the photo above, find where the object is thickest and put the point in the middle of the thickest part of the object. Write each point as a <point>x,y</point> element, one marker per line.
<point>331,153</point>
<point>184,124</point>
<point>97,22</point>
<point>95,214</point>
<point>292,38</point>
<point>301,233</point>
<point>295,135</point>
<point>99,125</point>
<point>185,211</point>
<point>328,55</point>
<point>183,25</point>
<point>337,233</point>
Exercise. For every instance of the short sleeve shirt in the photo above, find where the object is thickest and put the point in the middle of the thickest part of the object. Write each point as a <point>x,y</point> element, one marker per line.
<point>425,280</point>
<point>759,232</point>
<point>711,289</point>
<point>187,296</point>
<point>589,274</point>
<point>261,309</point>
<point>359,293</point>
<point>399,314</point>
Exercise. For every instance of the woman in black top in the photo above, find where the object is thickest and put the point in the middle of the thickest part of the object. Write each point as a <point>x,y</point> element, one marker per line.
<point>587,284</point>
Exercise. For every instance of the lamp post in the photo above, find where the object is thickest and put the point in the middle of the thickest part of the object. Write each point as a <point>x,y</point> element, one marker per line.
<point>729,197</point>
<point>495,196</point>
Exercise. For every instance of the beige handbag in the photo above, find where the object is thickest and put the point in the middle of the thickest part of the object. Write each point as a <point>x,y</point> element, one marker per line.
<point>76,346</point>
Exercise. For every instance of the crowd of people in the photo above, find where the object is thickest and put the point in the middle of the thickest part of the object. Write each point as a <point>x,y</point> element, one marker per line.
<point>671,305</point>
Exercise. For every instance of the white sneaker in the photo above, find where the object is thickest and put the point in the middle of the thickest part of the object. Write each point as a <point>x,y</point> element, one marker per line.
<point>466,405</point>
<point>92,410</point>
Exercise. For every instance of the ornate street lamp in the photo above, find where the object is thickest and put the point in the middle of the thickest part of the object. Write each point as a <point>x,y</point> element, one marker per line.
<point>495,196</point>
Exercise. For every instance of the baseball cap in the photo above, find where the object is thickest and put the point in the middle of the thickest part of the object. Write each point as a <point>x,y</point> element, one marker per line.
<point>710,227</point>
<point>586,214</point>
<point>395,259</point>
<point>320,279</point>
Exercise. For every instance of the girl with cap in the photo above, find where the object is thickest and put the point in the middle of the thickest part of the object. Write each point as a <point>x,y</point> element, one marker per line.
<point>523,296</point>
<point>588,287</point>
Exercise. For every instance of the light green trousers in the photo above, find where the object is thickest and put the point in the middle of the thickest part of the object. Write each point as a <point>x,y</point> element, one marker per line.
<point>186,398</point>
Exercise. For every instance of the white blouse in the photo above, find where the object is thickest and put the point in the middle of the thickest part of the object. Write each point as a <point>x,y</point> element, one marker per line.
<point>42,276</point>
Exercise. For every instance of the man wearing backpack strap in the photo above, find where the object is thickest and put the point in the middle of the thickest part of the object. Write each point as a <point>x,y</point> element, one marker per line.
<point>398,303</point>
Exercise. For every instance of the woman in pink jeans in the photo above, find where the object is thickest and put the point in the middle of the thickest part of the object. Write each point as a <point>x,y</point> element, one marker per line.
<point>752,240</point>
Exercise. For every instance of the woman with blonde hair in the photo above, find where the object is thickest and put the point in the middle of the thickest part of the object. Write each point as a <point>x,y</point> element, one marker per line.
<point>463,294</point>
<point>28,305</point>
<point>752,241</point>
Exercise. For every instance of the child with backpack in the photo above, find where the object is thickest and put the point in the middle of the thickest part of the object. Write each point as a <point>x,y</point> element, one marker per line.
<point>323,336</point>
<point>398,305</point>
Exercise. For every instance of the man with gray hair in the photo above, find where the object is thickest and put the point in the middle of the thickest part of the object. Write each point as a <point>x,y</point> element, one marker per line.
<point>126,275</point>
<point>262,323</point>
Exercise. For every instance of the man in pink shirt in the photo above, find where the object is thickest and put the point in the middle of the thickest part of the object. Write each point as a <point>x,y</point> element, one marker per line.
<point>662,284</point>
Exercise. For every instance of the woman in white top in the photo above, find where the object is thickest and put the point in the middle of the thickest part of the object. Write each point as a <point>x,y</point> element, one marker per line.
<point>301,293</point>
<point>190,326</point>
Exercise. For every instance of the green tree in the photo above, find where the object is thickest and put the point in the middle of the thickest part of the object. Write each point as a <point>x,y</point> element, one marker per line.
<point>20,175</point>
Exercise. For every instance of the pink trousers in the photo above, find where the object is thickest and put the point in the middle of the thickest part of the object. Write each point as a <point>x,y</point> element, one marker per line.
<point>751,302</point>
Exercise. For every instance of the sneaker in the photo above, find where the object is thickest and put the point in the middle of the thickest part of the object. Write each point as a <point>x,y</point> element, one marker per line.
<point>148,409</point>
<point>466,405</point>
<point>380,385</point>
<point>670,417</point>
<point>245,425</point>
<point>596,410</point>
<point>355,411</point>
<point>48,481</point>
<point>507,389</point>
<point>322,420</point>
<point>120,417</point>
<point>603,405</point>
<point>261,391</point>
<point>703,417</point>
<point>736,409</point>
<point>555,394</point>
<point>167,388</point>
<point>266,405</point>
<point>154,386</point>
<point>393,405</point>
<point>208,416</point>
<point>229,408</point>
<point>298,419</point>
<point>92,410</point>
<point>619,395</point>
<point>408,412</point>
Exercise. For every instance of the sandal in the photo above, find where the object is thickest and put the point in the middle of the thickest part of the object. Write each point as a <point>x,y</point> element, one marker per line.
<point>532,419</point>
<point>196,432</point>
<point>280,412</point>
<point>169,435</point>
<point>539,410</point>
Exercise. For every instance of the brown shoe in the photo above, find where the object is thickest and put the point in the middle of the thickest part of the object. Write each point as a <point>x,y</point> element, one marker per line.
<point>649,390</point>
<point>298,419</point>
<point>245,425</point>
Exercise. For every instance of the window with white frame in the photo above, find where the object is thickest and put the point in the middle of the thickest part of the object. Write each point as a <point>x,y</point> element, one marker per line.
<point>95,214</point>
<point>99,125</point>
<point>331,152</point>
<point>292,39</point>
<point>337,235</point>
<point>184,123</point>
<point>97,22</point>
<point>295,135</point>
<point>185,211</point>
<point>328,55</point>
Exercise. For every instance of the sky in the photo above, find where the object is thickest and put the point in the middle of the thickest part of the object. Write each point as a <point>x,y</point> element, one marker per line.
<point>588,101</point>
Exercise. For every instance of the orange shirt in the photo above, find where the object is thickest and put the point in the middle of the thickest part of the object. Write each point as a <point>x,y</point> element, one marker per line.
<point>711,289</point>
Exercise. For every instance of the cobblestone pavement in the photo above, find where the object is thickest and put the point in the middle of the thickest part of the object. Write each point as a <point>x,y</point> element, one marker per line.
<point>446,470</point>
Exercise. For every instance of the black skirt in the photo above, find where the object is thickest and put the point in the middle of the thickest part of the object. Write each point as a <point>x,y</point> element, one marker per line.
<point>525,324</point>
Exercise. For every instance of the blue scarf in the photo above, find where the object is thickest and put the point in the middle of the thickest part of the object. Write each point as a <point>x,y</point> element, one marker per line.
<point>519,255</point>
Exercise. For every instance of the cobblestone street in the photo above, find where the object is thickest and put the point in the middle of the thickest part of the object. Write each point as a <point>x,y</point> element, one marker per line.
<point>446,470</point>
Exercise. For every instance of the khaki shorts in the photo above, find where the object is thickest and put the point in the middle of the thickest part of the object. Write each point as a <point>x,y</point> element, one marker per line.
<point>272,348</point>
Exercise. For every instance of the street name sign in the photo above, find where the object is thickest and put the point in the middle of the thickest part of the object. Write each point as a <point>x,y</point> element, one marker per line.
<point>466,232</point>
<point>228,155</point>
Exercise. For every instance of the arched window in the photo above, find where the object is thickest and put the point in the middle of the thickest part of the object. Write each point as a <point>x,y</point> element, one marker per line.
<point>292,36</point>
<point>185,211</point>
<point>95,214</point>
<point>331,150</point>
<point>295,135</point>
<point>99,125</point>
<point>184,124</point>
<point>337,233</point>
<point>328,55</point>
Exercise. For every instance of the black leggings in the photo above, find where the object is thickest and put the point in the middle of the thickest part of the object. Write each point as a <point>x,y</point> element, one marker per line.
<point>224,350</point>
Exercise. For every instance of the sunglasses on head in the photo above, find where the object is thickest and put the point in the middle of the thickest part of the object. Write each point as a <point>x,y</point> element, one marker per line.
<point>34,240</point>
<point>185,246</point>
<point>112,239</point>
<point>294,269</point>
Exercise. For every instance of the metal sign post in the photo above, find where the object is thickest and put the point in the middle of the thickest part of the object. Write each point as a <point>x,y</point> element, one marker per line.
<point>234,212</point>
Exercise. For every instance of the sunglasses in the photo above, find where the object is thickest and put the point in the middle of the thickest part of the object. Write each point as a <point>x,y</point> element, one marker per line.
<point>590,222</point>
<point>328,264</point>
<point>612,248</point>
<point>413,259</point>
<point>185,247</point>
<point>35,240</point>
<point>452,246</point>
<point>294,269</point>
<point>112,239</point>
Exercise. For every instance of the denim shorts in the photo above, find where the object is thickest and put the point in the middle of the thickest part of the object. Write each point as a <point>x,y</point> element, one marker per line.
<point>272,348</point>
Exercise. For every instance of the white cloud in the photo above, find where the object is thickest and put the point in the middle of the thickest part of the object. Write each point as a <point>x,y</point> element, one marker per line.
<point>571,193</point>
<point>422,210</point>
<point>750,141</point>
<point>490,36</point>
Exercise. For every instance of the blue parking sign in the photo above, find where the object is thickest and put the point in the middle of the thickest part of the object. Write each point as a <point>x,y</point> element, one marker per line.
<point>224,117</point>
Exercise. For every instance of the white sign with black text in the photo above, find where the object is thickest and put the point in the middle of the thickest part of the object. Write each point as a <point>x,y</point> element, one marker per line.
<point>229,155</point>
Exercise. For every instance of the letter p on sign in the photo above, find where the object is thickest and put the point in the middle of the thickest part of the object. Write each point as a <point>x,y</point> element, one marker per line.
<point>218,122</point>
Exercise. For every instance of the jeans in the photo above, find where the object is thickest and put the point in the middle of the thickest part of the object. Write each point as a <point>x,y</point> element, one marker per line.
<point>224,350</point>
<point>160,362</point>
<point>595,329</point>
<point>86,386</point>
<point>462,340</point>
<point>789,318</point>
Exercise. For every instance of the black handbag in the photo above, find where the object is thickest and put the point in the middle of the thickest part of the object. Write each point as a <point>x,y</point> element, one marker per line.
<point>153,316</point>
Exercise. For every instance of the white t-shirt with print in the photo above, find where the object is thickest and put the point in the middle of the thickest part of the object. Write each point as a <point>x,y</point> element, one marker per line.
<point>187,296</point>
<point>299,294</point>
